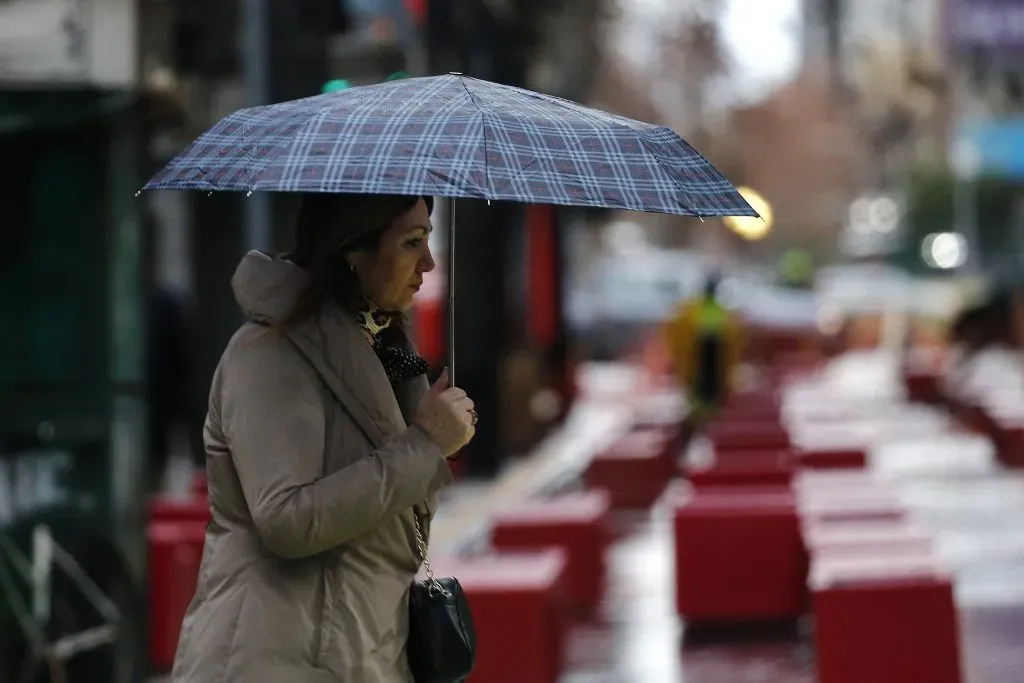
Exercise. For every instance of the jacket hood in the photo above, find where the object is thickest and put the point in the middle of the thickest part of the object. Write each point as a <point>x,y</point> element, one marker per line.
<point>267,287</point>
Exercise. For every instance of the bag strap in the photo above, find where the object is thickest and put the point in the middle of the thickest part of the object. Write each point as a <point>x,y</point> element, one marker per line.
<point>434,587</point>
<point>421,545</point>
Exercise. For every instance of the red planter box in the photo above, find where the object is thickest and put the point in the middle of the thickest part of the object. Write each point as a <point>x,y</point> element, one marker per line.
<point>739,559</point>
<point>577,524</point>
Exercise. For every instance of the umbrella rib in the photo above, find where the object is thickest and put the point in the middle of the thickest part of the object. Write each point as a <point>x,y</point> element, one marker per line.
<point>646,145</point>
<point>581,110</point>
<point>483,119</point>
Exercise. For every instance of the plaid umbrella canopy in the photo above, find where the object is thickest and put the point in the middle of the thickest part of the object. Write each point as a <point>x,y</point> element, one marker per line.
<point>454,136</point>
<point>457,137</point>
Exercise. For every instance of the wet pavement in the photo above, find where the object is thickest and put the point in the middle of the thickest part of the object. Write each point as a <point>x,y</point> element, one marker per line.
<point>640,639</point>
<point>951,485</point>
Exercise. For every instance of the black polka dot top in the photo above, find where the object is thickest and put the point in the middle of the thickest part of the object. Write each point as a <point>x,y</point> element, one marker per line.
<point>399,363</point>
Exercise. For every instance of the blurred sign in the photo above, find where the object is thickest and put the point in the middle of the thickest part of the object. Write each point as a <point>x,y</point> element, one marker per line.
<point>32,483</point>
<point>992,24</point>
<point>68,42</point>
<point>998,146</point>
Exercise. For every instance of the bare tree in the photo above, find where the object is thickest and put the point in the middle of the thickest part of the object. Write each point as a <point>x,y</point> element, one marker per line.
<point>693,58</point>
<point>804,152</point>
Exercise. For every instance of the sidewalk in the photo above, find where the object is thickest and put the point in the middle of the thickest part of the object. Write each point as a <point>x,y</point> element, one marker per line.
<point>949,481</point>
<point>597,419</point>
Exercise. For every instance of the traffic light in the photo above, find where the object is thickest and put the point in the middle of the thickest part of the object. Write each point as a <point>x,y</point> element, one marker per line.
<point>336,85</point>
<point>339,84</point>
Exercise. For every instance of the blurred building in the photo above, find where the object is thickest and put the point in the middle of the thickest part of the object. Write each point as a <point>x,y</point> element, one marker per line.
<point>806,131</point>
<point>886,57</point>
<point>984,44</point>
<point>886,60</point>
<point>71,302</point>
<point>985,41</point>
<point>72,417</point>
<point>195,61</point>
<point>845,29</point>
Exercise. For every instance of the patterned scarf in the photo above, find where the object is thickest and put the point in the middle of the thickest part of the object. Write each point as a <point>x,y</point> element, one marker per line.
<point>400,364</point>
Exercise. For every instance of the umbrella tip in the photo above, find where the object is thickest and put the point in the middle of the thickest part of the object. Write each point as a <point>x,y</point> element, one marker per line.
<point>138,193</point>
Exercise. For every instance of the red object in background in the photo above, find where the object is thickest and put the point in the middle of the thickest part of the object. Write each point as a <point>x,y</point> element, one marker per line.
<point>766,343</point>
<point>418,10</point>
<point>457,466</point>
<point>739,558</point>
<point>544,298</point>
<point>745,469</point>
<point>1008,437</point>
<point>164,508</point>
<point>542,274</point>
<point>519,609</point>
<point>633,470</point>
<point>575,523</point>
<point>922,386</point>
<point>200,486</point>
<point>428,324</point>
<point>751,406</point>
<point>739,436</point>
<point>832,458</point>
<point>888,622</point>
<point>175,551</point>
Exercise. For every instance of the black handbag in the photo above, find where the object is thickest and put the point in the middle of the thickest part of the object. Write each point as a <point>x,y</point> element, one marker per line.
<point>442,641</point>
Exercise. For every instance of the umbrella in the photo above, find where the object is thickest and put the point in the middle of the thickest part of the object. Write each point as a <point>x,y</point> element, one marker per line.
<point>454,136</point>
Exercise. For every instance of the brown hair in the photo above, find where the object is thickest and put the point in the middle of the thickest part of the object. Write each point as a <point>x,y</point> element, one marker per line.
<point>328,228</point>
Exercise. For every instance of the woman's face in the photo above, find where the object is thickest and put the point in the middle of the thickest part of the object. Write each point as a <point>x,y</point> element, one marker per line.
<point>391,277</point>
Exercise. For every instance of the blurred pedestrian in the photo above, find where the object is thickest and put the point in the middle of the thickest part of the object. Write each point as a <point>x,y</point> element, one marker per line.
<point>325,451</point>
<point>167,378</point>
<point>705,342</point>
<point>983,355</point>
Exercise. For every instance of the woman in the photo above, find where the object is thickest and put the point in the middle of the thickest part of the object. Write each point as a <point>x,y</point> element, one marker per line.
<point>325,449</point>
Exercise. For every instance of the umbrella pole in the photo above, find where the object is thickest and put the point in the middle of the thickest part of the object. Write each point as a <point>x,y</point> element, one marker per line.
<point>450,266</point>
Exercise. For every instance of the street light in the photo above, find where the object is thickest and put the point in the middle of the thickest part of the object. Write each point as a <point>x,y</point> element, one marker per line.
<point>752,228</point>
<point>945,250</point>
<point>340,84</point>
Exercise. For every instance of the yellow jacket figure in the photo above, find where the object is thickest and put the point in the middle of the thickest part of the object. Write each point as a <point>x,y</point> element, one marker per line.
<point>705,341</point>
